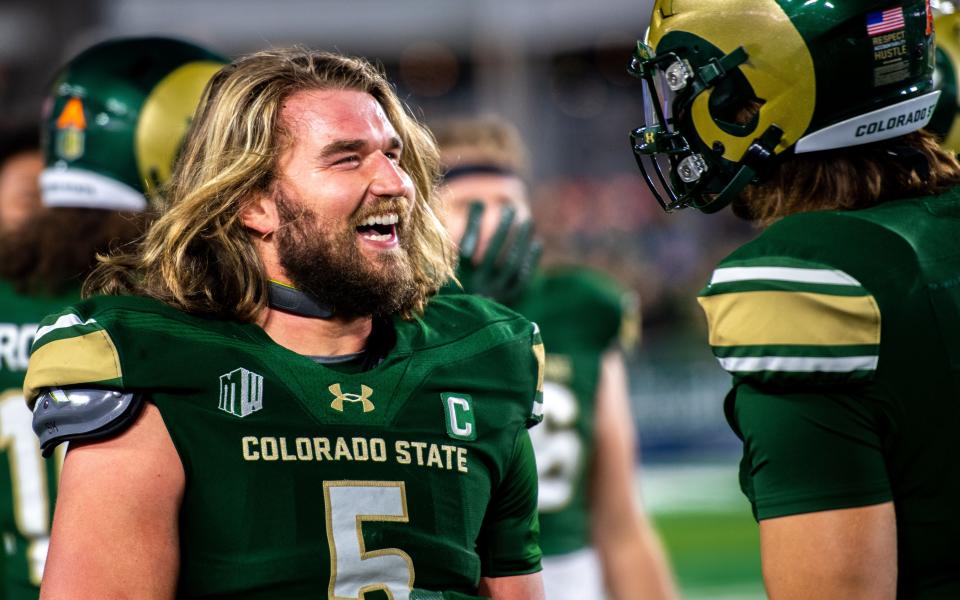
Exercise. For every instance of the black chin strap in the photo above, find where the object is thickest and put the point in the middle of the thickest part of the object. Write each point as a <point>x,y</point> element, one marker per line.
<point>291,300</point>
<point>758,157</point>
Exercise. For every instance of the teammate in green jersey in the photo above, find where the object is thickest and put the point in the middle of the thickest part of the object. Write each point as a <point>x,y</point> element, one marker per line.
<point>103,113</point>
<point>592,533</point>
<point>840,322</point>
<point>20,166</point>
<point>279,409</point>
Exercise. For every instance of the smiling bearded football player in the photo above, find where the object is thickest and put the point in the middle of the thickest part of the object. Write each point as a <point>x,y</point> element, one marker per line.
<point>279,409</point>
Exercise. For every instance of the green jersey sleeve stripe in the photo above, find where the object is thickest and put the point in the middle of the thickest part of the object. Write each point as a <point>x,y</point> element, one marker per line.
<point>772,285</point>
<point>793,274</point>
<point>838,351</point>
<point>538,406</point>
<point>536,411</point>
<point>798,364</point>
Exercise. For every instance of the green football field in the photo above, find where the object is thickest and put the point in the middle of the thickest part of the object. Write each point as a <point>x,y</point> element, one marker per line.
<point>706,526</point>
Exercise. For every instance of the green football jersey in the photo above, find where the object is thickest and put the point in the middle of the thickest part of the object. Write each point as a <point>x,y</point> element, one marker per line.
<point>307,482</point>
<point>29,484</point>
<point>580,314</point>
<point>842,332</point>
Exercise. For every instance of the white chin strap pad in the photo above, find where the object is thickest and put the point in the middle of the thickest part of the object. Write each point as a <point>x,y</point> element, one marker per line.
<point>77,188</point>
<point>883,124</point>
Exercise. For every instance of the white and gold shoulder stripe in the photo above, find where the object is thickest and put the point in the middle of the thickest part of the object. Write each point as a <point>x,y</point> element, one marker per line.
<point>797,320</point>
<point>71,351</point>
<point>783,317</point>
<point>62,322</point>
<point>540,353</point>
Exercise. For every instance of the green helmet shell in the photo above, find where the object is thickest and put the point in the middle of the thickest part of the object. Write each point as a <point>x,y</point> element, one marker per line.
<point>819,75</point>
<point>115,119</point>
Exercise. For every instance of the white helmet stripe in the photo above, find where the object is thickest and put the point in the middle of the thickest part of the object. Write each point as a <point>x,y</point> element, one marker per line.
<point>78,188</point>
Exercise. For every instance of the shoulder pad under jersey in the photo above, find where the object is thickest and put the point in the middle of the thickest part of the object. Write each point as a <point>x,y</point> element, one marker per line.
<point>61,415</point>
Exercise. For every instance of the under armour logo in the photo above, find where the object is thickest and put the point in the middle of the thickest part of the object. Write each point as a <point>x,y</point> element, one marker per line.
<point>363,397</point>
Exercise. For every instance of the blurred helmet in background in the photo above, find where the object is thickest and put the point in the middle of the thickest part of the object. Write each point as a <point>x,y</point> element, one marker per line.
<point>115,118</point>
<point>947,116</point>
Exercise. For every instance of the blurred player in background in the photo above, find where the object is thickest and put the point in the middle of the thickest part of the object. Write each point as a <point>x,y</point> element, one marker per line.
<point>840,322</point>
<point>592,532</point>
<point>20,166</point>
<point>24,480</point>
<point>269,407</point>
<point>113,123</point>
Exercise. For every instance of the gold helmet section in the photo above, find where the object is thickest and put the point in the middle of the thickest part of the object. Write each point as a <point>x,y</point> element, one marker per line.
<point>165,117</point>
<point>779,67</point>
<point>948,41</point>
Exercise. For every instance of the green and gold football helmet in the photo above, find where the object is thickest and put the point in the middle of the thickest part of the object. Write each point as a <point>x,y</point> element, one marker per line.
<point>946,119</point>
<point>115,118</point>
<point>732,86</point>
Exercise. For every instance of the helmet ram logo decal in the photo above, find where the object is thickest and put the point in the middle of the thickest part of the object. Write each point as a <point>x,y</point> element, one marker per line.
<point>71,125</point>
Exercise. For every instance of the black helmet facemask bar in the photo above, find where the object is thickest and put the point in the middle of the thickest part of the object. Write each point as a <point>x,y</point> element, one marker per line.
<point>678,176</point>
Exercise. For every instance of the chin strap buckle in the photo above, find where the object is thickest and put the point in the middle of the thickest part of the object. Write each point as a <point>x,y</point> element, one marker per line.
<point>761,151</point>
<point>719,67</point>
<point>755,160</point>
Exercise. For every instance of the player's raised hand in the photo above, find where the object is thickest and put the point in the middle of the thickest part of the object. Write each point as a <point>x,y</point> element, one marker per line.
<point>507,262</point>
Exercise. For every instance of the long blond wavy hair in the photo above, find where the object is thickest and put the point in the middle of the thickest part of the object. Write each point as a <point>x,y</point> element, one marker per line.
<point>198,256</point>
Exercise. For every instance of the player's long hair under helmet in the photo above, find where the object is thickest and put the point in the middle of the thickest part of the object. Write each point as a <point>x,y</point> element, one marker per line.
<point>115,118</point>
<point>732,86</point>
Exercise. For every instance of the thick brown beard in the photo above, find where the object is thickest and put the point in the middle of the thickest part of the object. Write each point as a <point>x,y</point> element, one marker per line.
<point>330,267</point>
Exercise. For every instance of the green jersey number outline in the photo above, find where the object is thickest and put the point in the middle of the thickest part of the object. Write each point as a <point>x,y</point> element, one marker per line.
<point>353,570</point>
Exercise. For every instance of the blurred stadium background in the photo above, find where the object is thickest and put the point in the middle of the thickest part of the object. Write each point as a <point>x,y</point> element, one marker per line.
<point>557,69</point>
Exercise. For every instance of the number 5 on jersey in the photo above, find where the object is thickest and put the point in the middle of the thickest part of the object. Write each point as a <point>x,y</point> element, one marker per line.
<point>353,570</point>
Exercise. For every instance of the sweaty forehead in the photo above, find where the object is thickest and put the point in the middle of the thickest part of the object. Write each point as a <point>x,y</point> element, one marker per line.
<point>322,116</point>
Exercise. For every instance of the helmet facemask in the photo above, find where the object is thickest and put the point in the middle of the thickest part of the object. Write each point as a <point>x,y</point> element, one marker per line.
<point>680,169</point>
